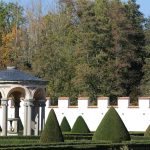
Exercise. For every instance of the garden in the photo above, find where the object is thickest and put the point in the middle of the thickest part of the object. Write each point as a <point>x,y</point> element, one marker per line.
<point>111,134</point>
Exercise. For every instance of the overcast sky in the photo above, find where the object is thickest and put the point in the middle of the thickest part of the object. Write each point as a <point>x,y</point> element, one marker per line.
<point>144,4</point>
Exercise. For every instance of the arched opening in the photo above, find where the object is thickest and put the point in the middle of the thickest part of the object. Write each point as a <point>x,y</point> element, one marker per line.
<point>14,98</point>
<point>39,109</point>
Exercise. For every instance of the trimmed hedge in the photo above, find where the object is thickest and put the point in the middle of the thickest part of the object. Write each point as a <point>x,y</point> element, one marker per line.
<point>20,137</point>
<point>80,126</point>
<point>82,146</point>
<point>111,128</point>
<point>147,132</point>
<point>52,131</point>
<point>65,127</point>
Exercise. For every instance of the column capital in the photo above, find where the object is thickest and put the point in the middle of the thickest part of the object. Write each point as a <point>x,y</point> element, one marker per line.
<point>4,102</point>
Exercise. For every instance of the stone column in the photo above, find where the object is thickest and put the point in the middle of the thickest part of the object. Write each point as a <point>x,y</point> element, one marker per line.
<point>42,114</point>
<point>29,118</point>
<point>25,117</point>
<point>4,104</point>
<point>36,128</point>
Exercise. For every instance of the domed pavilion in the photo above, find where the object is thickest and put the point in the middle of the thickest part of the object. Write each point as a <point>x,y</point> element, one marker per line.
<point>24,96</point>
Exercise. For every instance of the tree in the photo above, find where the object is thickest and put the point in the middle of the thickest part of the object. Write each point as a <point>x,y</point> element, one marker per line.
<point>52,131</point>
<point>57,61</point>
<point>11,20</point>
<point>80,126</point>
<point>93,65</point>
<point>65,127</point>
<point>136,45</point>
<point>115,132</point>
<point>145,88</point>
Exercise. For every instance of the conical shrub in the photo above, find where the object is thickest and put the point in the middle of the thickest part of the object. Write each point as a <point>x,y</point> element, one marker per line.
<point>111,128</point>
<point>65,127</point>
<point>80,126</point>
<point>52,131</point>
<point>147,132</point>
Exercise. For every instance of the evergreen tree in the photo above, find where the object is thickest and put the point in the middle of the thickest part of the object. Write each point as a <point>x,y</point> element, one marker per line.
<point>80,126</point>
<point>115,132</point>
<point>52,131</point>
<point>136,43</point>
<point>65,127</point>
<point>93,67</point>
<point>145,88</point>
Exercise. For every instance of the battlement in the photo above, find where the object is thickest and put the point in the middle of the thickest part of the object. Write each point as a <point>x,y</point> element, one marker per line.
<point>102,102</point>
<point>136,118</point>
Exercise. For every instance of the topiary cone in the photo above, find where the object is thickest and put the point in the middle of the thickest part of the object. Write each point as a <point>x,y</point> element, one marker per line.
<point>52,131</point>
<point>111,128</point>
<point>65,127</point>
<point>147,132</point>
<point>80,126</point>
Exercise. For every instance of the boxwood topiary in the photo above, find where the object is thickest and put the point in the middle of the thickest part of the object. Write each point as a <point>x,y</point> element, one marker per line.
<point>80,126</point>
<point>147,132</point>
<point>65,127</point>
<point>111,128</point>
<point>52,131</point>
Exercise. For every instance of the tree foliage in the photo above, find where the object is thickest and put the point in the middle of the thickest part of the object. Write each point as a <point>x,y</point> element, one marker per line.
<point>85,48</point>
<point>145,88</point>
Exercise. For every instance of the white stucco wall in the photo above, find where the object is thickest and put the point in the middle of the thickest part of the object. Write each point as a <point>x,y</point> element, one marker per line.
<point>136,118</point>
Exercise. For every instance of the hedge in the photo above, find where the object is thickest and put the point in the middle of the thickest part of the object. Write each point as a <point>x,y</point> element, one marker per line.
<point>111,128</point>
<point>147,132</point>
<point>52,131</point>
<point>65,127</point>
<point>80,126</point>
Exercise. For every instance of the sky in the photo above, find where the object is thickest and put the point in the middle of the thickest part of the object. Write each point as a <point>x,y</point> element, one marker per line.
<point>144,5</point>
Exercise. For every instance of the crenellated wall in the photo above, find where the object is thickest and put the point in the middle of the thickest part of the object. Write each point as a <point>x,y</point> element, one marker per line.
<point>136,118</point>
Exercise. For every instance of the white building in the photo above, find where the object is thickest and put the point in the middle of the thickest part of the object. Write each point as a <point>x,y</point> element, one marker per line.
<point>22,96</point>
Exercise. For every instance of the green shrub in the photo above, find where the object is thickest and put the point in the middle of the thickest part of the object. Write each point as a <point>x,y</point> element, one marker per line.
<point>80,126</point>
<point>111,128</point>
<point>65,127</point>
<point>52,131</point>
<point>147,132</point>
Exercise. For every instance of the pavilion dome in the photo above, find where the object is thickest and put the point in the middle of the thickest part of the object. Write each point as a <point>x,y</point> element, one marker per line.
<point>11,74</point>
